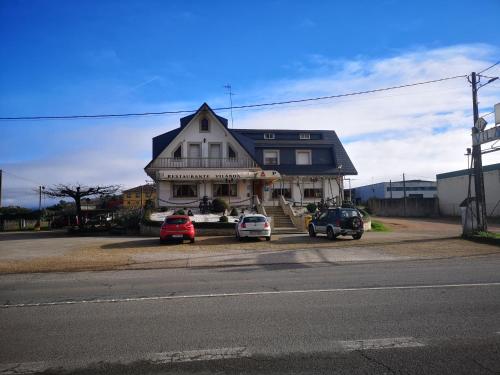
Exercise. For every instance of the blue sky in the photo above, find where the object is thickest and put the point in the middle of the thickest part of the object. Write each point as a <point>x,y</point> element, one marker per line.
<point>73,57</point>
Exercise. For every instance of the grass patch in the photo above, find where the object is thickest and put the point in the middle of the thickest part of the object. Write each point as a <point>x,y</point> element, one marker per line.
<point>378,226</point>
<point>488,235</point>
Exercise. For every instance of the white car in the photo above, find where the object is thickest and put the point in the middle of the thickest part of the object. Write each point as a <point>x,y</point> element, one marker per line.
<point>254,225</point>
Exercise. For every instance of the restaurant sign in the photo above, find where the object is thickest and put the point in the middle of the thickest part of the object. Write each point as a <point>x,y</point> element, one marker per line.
<point>220,175</point>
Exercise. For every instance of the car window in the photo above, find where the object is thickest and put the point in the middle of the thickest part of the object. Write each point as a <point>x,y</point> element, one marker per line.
<point>323,216</point>
<point>349,213</point>
<point>175,220</point>
<point>254,219</point>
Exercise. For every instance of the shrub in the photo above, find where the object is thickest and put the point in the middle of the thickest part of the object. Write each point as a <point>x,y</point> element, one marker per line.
<point>311,207</point>
<point>223,219</point>
<point>180,212</point>
<point>219,205</point>
<point>234,212</point>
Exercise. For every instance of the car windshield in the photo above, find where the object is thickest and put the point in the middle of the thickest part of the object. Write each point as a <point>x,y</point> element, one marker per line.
<point>254,219</point>
<point>175,220</point>
<point>349,213</point>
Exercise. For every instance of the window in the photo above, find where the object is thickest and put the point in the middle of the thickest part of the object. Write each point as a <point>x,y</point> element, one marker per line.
<point>175,220</point>
<point>225,190</point>
<point>271,157</point>
<point>129,195</point>
<point>178,153</point>
<point>204,125</point>
<point>231,154</point>
<point>137,195</point>
<point>286,192</point>
<point>313,193</point>
<point>303,157</point>
<point>254,219</point>
<point>269,136</point>
<point>185,190</point>
<point>304,136</point>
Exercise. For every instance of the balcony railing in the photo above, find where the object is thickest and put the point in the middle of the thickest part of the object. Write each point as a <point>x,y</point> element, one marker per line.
<point>174,163</point>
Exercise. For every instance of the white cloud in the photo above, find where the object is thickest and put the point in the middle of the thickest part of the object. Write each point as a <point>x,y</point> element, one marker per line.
<point>420,131</point>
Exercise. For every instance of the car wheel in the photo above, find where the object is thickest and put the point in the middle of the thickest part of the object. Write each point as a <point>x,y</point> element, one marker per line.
<point>357,236</point>
<point>162,242</point>
<point>268,238</point>
<point>191,240</point>
<point>312,233</point>
<point>330,234</point>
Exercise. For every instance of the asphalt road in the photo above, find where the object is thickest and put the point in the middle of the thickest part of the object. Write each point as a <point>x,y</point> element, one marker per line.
<point>440,316</point>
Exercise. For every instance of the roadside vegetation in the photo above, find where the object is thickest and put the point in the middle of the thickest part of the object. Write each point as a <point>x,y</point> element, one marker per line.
<point>378,226</point>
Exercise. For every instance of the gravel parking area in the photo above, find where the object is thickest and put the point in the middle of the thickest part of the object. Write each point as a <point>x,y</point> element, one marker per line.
<point>56,251</point>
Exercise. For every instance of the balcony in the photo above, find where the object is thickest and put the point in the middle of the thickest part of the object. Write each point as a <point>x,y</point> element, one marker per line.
<point>201,163</point>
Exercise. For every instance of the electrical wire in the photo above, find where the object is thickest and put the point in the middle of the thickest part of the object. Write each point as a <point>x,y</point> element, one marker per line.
<point>21,178</point>
<point>258,105</point>
<point>488,68</point>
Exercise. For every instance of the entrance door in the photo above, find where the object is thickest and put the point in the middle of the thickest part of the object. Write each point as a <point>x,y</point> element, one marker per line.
<point>194,155</point>
<point>215,155</point>
<point>258,189</point>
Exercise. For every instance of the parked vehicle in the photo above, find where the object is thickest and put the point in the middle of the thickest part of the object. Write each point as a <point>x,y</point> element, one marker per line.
<point>338,221</point>
<point>177,227</point>
<point>254,225</point>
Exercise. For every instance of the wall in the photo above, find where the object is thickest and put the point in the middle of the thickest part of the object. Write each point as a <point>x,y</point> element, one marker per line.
<point>415,207</point>
<point>453,190</point>
<point>191,134</point>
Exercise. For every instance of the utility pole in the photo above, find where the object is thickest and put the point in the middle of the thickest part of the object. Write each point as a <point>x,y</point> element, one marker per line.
<point>404,195</point>
<point>390,187</point>
<point>1,187</point>
<point>40,188</point>
<point>478,164</point>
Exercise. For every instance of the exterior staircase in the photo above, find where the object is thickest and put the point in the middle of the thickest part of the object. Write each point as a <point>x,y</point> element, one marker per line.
<point>282,222</point>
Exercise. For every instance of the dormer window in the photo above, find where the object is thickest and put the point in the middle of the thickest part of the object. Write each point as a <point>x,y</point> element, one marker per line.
<point>304,136</point>
<point>178,153</point>
<point>231,154</point>
<point>204,125</point>
<point>269,136</point>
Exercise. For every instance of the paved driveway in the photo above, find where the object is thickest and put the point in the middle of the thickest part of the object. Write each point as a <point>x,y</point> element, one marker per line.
<point>56,251</point>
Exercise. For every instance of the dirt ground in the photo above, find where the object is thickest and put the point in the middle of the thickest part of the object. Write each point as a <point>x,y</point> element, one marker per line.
<point>407,239</point>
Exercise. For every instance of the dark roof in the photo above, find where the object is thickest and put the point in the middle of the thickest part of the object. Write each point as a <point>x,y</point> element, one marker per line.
<point>328,138</point>
<point>465,172</point>
<point>250,139</point>
<point>163,140</point>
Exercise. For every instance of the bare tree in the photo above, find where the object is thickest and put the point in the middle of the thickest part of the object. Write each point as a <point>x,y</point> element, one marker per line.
<point>77,192</point>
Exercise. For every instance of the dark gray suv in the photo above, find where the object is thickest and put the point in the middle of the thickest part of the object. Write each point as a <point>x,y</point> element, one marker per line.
<point>338,221</point>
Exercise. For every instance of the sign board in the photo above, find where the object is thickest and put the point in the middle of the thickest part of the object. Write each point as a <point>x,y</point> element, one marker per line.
<point>486,136</point>
<point>497,113</point>
<point>215,175</point>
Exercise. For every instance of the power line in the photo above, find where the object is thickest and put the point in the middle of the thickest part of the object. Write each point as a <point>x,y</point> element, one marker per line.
<point>22,178</point>
<point>488,68</point>
<point>258,105</point>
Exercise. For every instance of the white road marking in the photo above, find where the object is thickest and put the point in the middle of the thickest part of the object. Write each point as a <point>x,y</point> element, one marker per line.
<point>241,294</point>
<point>199,355</point>
<point>376,344</point>
<point>23,368</point>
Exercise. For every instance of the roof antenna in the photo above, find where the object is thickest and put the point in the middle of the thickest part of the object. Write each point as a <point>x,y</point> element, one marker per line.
<point>230,93</point>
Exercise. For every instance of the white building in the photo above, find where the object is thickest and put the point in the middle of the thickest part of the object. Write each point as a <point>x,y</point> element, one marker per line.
<point>453,187</point>
<point>203,157</point>
<point>395,189</point>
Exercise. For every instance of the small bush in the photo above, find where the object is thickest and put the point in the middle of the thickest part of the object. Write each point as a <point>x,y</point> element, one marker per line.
<point>234,212</point>
<point>219,205</point>
<point>311,208</point>
<point>180,212</point>
<point>377,226</point>
<point>223,219</point>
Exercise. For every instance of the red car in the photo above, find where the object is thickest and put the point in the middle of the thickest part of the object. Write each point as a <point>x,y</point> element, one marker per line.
<point>177,227</point>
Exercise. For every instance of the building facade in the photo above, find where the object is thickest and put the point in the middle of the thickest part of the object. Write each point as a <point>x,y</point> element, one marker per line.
<point>452,188</point>
<point>138,196</point>
<point>396,189</point>
<point>204,157</point>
